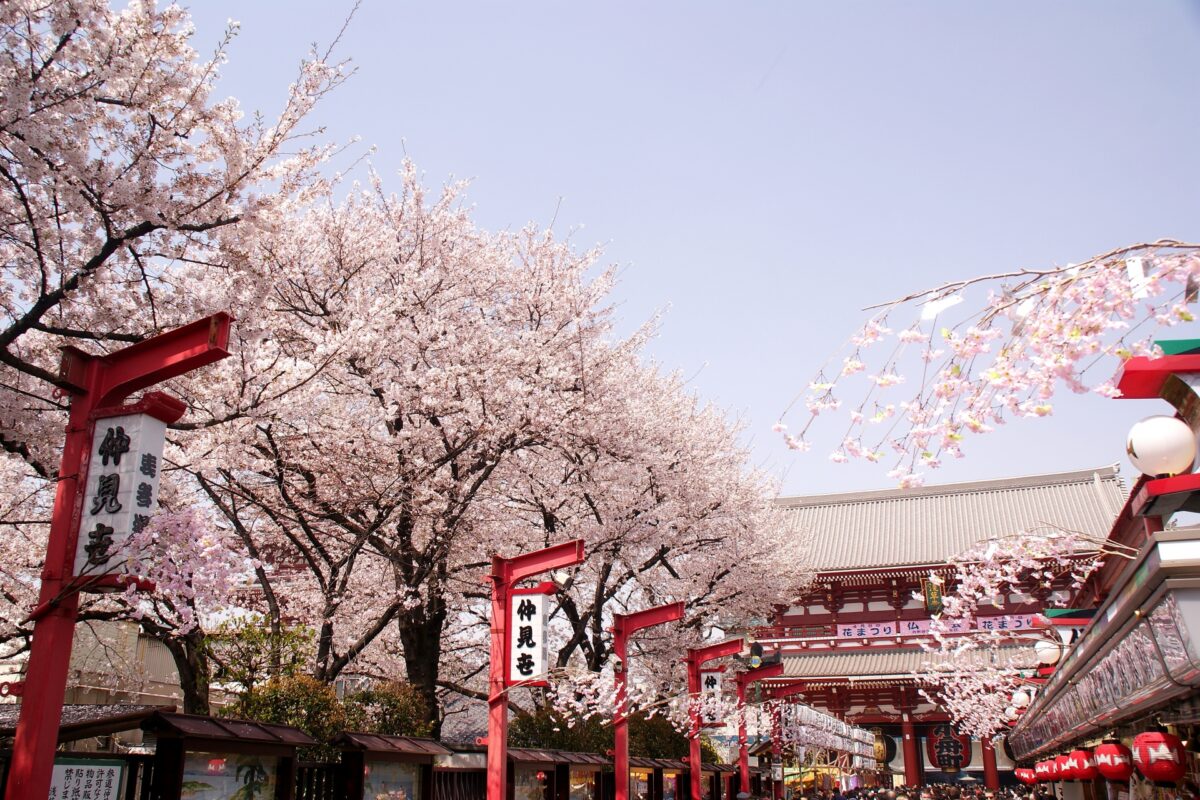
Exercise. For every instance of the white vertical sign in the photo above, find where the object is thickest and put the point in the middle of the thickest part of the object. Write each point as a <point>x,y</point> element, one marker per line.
<point>78,778</point>
<point>527,624</point>
<point>710,696</point>
<point>121,493</point>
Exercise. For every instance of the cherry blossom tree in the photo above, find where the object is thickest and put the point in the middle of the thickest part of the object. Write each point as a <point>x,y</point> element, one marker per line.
<point>429,352</point>
<point>658,489</point>
<point>128,191</point>
<point>973,365</point>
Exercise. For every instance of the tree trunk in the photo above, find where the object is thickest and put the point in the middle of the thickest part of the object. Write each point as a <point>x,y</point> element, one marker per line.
<point>421,634</point>
<point>191,661</point>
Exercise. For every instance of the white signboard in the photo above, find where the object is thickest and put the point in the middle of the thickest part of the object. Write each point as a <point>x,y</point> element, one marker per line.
<point>918,627</point>
<point>95,779</point>
<point>121,493</point>
<point>527,628</point>
<point>710,696</point>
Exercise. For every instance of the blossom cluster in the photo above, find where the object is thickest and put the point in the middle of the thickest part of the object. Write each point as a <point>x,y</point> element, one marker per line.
<point>973,367</point>
<point>974,675</point>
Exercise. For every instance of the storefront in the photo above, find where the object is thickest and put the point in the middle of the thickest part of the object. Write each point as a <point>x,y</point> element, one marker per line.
<point>1134,667</point>
<point>397,767</point>
<point>674,778</point>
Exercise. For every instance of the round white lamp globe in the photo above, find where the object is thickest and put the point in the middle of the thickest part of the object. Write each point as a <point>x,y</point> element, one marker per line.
<point>1161,445</point>
<point>1020,698</point>
<point>1047,653</point>
<point>1011,713</point>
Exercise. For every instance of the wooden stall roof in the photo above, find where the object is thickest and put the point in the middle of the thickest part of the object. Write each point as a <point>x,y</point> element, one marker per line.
<point>718,768</point>
<point>83,721</point>
<point>641,762</point>
<point>671,763</point>
<point>192,726</point>
<point>403,745</point>
<point>529,755</point>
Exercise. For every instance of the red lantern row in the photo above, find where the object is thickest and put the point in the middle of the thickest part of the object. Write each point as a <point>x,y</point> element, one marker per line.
<point>1158,755</point>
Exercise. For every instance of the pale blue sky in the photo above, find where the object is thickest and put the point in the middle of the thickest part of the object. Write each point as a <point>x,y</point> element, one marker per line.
<point>768,169</point>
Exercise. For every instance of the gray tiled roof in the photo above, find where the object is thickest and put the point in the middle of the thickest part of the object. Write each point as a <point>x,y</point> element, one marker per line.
<point>928,525</point>
<point>877,662</point>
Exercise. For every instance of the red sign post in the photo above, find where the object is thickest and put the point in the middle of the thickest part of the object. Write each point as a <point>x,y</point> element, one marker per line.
<point>506,572</point>
<point>697,658</point>
<point>97,385</point>
<point>744,679</point>
<point>624,626</point>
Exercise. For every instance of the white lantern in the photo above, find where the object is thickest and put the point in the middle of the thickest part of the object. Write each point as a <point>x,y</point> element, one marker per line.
<point>1021,698</point>
<point>1011,713</point>
<point>1161,445</point>
<point>1047,653</point>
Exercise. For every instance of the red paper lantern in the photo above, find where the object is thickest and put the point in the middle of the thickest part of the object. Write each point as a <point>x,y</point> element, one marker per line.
<point>1042,771</point>
<point>1026,776</point>
<point>1062,768</point>
<point>1159,756</point>
<point>1114,761</point>
<point>1083,766</point>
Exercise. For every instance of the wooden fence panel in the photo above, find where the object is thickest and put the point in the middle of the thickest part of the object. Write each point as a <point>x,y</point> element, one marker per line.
<point>320,782</point>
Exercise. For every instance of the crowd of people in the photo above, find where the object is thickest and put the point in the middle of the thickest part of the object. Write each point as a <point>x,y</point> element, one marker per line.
<point>936,791</point>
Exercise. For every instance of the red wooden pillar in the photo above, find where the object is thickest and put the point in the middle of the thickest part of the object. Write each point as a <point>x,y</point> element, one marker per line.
<point>94,383</point>
<point>991,776</point>
<point>506,572</point>
<point>624,626</point>
<point>912,753</point>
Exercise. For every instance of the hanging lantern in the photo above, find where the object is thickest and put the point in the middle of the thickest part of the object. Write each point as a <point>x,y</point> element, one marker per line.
<point>1062,768</point>
<point>1083,765</point>
<point>1047,652</point>
<point>1041,771</point>
<point>1159,756</point>
<point>1160,446</point>
<point>1114,761</point>
<point>1011,713</point>
<point>1026,776</point>
<point>1020,698</point>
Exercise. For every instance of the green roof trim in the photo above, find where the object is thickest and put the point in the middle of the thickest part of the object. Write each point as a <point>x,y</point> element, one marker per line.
<point>1179,347</point>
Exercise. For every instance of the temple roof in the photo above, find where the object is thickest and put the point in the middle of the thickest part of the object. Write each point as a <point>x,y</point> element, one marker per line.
<point>870,663</point>
<point>930,524</point>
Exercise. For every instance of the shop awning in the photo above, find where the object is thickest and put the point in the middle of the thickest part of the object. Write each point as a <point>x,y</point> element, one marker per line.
<point>1134,659</point>
<point>399,745</point>
<point>529,755</point>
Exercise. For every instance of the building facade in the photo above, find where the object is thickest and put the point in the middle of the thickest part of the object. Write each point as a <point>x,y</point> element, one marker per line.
<point>852,644</point>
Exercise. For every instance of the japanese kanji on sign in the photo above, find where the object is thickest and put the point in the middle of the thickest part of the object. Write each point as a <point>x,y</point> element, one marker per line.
<point>528,614</point>
<point>710,693</point>
<point>121,493</point>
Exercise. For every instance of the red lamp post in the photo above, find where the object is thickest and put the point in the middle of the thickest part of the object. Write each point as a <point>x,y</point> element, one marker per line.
<point>97,384</point>
<point>744,679</point>
<point>505,573</point>
<point>696,658</point>
<point>624,626</point>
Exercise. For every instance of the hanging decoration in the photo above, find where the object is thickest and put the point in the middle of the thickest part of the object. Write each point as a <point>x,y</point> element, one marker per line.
<point>949,750</point>
<point>1114,761</point>
<point>1083,766</point>
<point>1160,756</point>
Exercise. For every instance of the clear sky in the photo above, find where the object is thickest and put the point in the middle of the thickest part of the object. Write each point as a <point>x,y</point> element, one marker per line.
<point>766,169</point>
